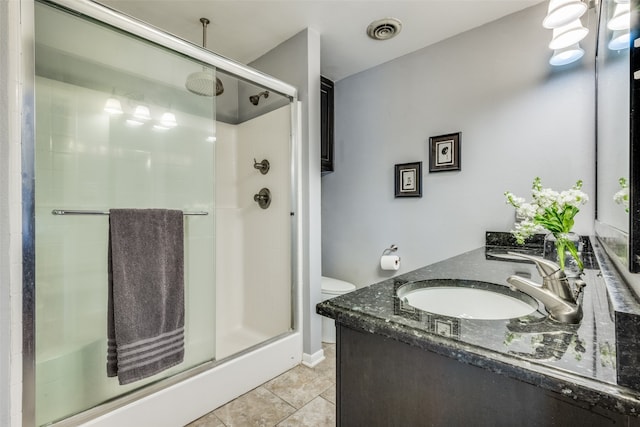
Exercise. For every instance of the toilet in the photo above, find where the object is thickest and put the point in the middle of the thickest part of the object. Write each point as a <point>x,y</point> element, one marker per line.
<point>331,288</point>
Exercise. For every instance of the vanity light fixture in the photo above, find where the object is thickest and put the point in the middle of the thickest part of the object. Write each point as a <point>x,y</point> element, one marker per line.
<point>566,55</point>
<point>621,19</point>
<point>619,40</point>
<point>568,35</point>
<point>142,112</point>
<point>113,106</point>
<point>562,12</point>
<point>168,120</point>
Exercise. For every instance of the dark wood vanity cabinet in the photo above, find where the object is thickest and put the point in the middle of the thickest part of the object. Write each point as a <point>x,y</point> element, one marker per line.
<point>383,382</point>
<point>326,124</point>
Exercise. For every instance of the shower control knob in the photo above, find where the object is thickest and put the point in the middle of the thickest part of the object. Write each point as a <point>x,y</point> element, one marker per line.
<point>262,166</point>
<point>263,198</point>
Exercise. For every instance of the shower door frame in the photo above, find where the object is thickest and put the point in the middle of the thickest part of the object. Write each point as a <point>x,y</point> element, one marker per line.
<point>137,28</point>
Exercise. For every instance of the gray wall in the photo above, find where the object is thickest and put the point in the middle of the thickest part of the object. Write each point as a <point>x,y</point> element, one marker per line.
<point>519,119</point>
<point>297,62</point>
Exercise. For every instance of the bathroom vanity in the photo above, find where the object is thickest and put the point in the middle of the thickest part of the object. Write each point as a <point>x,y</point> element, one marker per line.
<point>401,366</point>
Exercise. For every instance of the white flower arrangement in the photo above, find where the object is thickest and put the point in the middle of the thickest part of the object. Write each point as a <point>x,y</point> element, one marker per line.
<point>622,196</point>
<point>549,210</point>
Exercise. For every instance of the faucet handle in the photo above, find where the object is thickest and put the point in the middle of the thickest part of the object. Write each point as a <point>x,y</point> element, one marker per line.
<point>578,285</point>
<point>545,267</point>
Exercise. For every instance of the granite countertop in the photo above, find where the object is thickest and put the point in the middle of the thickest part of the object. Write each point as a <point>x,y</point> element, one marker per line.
<point>578,361</point>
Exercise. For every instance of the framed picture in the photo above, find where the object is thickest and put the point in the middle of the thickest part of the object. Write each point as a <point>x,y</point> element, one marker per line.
<point>444,152</point>
<point>409,180</point>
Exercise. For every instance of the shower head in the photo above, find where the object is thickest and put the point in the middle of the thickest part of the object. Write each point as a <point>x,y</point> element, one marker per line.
<point>255,99</point>
<point>202,82</point>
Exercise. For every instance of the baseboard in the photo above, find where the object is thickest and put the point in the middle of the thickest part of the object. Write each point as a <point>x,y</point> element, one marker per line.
<point>312,360</point>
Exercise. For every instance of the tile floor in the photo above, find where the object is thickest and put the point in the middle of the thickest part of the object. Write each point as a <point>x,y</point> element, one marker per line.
<point>300,397</point>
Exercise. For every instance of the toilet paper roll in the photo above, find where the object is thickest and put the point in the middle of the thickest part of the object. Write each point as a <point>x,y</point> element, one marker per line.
<point>390,262</point>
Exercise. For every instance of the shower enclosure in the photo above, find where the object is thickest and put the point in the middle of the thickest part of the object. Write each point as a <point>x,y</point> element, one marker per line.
<point>118,124</point>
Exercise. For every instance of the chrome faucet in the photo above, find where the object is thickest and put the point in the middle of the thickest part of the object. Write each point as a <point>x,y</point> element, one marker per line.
<point>560,300</point>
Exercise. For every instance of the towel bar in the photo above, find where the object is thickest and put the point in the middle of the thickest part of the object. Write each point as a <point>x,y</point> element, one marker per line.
<point>83,212</point>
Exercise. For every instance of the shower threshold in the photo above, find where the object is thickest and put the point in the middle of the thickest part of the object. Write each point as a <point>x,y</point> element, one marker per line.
<point>237,340</point>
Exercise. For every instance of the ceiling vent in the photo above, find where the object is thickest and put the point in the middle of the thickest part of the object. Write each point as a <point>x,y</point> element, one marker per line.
<point>384,29</point>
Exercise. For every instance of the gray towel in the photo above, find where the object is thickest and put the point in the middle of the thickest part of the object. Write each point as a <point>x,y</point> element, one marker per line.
<point>145,327</point>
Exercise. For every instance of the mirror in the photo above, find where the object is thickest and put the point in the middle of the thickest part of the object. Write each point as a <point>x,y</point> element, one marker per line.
<point>614,130</point>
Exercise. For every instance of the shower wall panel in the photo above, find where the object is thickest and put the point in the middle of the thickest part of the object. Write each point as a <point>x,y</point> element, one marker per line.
<point>266,234</point>
<point>253,277</point>
<point>229,244</point>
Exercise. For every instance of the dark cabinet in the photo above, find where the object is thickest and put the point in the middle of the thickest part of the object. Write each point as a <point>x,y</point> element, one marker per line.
<point>326,125</point>
<point>383,382</point>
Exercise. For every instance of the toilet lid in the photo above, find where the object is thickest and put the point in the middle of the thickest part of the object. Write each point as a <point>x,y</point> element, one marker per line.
<point>331,286</point>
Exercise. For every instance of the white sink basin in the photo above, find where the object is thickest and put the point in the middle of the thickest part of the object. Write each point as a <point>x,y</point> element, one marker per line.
<point>468,302</point>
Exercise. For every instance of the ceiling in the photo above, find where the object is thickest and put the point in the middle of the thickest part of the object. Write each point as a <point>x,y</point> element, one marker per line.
<point>244,30</point>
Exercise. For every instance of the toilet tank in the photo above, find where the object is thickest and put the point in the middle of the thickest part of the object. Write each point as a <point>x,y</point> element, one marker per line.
<point>332,288</point>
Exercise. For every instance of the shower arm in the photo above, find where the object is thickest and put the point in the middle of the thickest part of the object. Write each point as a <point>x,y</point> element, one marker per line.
<point>205,22</point>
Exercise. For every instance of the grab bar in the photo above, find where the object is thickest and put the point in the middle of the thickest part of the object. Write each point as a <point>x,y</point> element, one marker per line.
<point>83,212</point>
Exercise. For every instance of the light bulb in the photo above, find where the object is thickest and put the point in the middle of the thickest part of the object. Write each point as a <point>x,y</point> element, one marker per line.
<point>142,113</point>
<point>168,120</point>
<point>113,106</point>
<point>619,40</point>
<point>566,55</point>
<point>621,19</point>
<point>568,35</point>
<point>561,12</point>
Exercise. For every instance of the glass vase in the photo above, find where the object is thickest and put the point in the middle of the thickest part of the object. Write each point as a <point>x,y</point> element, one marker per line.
<point>572,267</point>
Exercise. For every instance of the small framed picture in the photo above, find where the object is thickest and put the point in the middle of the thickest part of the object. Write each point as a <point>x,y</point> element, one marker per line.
<point>409,180</point>
<point>444,152</point>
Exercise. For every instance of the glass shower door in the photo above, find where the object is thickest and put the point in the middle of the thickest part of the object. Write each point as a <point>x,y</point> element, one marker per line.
<point>115,128</point>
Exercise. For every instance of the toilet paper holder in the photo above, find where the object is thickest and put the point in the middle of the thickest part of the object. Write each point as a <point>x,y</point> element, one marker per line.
<point>388,261</point>
<point>389,250</point>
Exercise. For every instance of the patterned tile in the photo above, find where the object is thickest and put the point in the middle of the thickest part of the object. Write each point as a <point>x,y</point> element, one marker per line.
<point>329,350</point>
<point>317,413</point>
<point>327,368</point>
<point>259,408</point>
<point>312,391</point>
<point>209,420</point>
<point>330,394</point>
<point>299,385</point>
